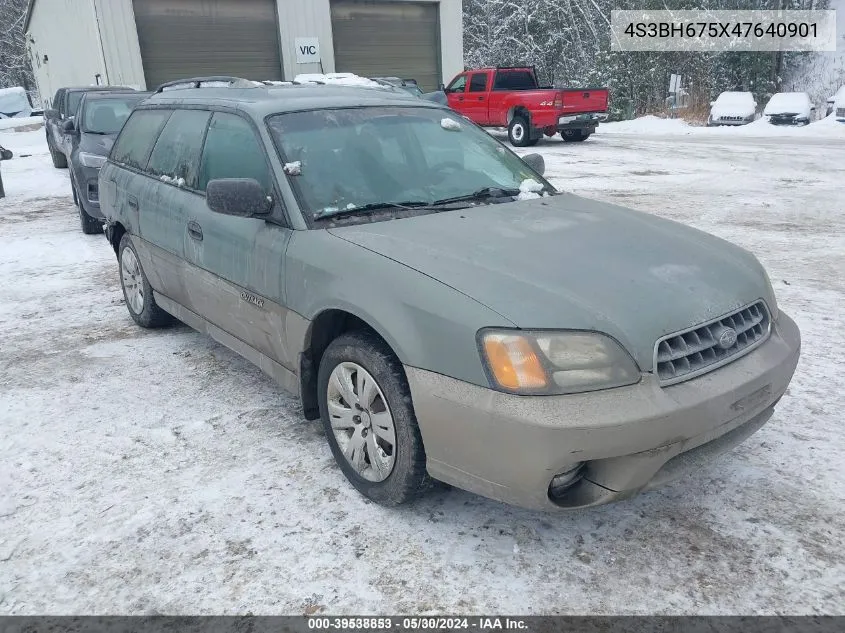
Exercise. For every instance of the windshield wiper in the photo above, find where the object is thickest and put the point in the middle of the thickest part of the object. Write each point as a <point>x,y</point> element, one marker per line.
<point>373,206</point>
<point>481,194</point>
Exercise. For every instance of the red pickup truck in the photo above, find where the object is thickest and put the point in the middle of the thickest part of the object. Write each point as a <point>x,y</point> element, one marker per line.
<point>499,97</point>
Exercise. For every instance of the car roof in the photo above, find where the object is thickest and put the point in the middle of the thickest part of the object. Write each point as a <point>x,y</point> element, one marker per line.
<point>87,89</point>
<point>261,101</point>
<point>114,94</point>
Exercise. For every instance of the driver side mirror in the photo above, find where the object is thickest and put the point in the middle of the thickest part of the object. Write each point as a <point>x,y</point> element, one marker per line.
<point>69,126</point>
<point>240,197</point>
<point>535,162</point>
<point>51,113</point>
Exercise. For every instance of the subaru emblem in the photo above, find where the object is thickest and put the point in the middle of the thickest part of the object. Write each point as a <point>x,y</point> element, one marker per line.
<point>727,338</point>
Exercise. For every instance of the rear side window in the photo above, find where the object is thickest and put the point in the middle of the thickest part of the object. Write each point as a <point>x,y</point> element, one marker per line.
<point>232,151</point>
<point>514,80</point>
<point>478,82</point>
<point>138,136</point>
<point>177,152</point>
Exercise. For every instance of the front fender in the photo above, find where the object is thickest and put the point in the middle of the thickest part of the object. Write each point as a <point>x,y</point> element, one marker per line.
<point>428,324</point>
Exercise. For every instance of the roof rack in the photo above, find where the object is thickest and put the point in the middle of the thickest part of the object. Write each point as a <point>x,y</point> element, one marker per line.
<point>197,82</point>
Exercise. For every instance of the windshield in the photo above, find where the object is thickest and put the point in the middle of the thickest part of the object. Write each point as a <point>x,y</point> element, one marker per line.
<point>343,159</point>
<point>107,116</point>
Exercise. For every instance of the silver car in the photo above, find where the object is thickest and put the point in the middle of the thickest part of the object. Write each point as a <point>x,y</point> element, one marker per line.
<point>434,301</point>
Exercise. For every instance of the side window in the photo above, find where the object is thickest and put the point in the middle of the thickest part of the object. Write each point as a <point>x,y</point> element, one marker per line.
<point>138,136</point>
<point>458,85</point>
<point>232,151</point>
<point>478,82</point>
<point>177,152</point>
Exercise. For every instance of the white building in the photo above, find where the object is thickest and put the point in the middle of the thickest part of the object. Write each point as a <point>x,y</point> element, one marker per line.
<point>143,43</point>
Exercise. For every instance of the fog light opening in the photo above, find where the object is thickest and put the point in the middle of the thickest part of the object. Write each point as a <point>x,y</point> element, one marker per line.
<point>562,482</point>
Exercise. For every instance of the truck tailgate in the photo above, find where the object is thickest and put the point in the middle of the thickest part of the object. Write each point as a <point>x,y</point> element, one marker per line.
<point>584,100</point>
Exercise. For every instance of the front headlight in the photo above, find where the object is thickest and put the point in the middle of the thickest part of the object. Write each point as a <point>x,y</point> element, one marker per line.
<point>554,363</point>
<point>92,160</point>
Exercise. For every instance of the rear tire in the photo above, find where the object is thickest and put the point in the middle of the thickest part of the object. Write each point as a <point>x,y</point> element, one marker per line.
<point>137,292</point>
<point>361,365</point>
<point>519,132</point>
<point>574,136</point>
<point>59,159</point>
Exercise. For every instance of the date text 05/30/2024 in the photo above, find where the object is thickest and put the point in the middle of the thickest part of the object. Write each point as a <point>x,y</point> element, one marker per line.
<point>417,623</point>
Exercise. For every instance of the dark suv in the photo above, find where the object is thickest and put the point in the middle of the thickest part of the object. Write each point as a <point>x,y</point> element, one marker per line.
<point>64,106</point>
<point>90,136</point>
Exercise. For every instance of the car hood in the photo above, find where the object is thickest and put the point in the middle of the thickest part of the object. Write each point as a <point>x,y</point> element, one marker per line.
<point>571,263</point>
<point>98,144</point>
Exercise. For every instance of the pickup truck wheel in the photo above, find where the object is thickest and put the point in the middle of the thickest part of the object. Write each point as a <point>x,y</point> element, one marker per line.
<point>137,291</point>
<point>519,133</point>
<point>574,136</point>
<point>59,159</point>
<point>369,420</point>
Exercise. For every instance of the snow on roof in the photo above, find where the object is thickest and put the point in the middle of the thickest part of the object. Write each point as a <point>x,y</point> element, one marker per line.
<point>336,79</point>
<point>735,98</point>
<point>788,102</point>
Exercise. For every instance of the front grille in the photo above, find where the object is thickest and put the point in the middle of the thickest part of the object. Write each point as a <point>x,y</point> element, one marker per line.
<point>705,347</point>
<point>840,112</point>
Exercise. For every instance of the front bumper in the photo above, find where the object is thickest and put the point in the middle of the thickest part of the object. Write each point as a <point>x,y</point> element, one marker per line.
<point>510,447</point>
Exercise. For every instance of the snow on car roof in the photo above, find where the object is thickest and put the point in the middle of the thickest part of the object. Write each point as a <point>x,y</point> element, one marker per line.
<point>734,98</point>
<point>782,102</point>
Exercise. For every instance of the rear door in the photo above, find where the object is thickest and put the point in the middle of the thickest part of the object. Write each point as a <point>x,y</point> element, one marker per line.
<point>475,99</point>
<point>168,195</point>
<point>456,93</point>
<point>236,274</point>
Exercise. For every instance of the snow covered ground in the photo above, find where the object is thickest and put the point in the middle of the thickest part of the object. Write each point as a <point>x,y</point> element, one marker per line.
<point>157,472</point>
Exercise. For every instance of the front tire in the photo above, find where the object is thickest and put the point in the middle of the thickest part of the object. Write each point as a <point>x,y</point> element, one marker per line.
<point>519,132</point>
<point>90,226</point>
<point>59,159</point>
<point>137,291</point>
<point>369,420</point>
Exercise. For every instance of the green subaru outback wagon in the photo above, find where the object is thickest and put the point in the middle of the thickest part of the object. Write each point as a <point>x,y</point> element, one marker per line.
<point>434,301</point>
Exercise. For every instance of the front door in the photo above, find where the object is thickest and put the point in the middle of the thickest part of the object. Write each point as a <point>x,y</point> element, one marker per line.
<point>236,264</point>
<point>475,105</point>
<point>456,93</point>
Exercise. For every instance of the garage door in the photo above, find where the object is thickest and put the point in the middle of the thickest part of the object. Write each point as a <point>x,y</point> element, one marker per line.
<point>383,39</point>
<point>197,38</point>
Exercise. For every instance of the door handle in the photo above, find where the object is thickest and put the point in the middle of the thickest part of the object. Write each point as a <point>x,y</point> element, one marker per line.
<point>195,231</point>
<point>460,98</point>
<point>481,98</point>
<point>132,201</point>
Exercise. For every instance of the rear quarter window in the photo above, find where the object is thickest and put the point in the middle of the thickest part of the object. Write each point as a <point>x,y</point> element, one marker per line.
<point>138,137</point>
